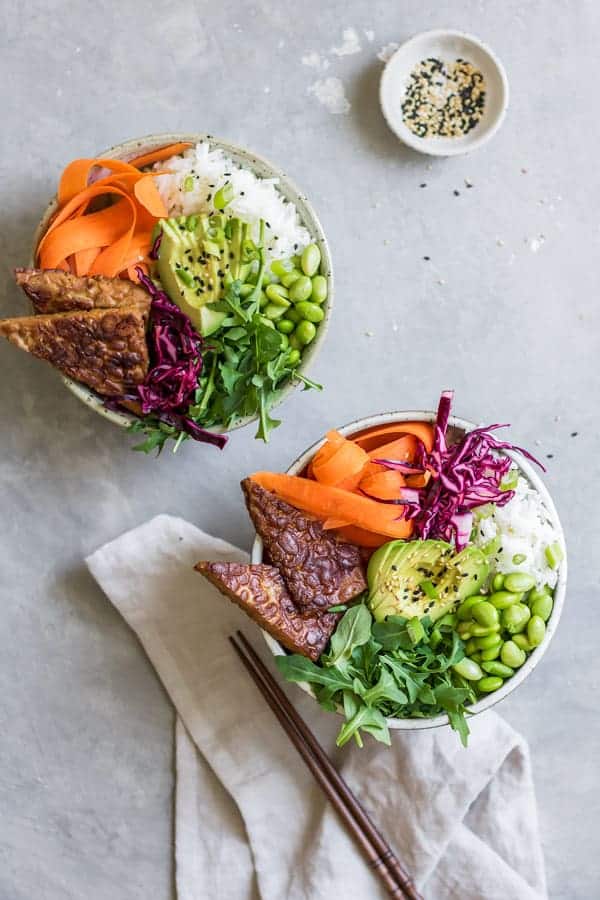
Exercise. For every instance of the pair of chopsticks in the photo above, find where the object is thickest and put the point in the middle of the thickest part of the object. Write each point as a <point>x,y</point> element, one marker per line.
<point>377,851</point>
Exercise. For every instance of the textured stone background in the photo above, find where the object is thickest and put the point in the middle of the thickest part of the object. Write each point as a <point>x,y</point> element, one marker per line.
<point>505,311</point>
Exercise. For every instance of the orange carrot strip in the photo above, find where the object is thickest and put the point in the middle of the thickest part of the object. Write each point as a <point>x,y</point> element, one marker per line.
<point>338,460</point>
<point>362,538</point>
<point>403,449</point>
<point>384,434</point>
<point>146,193</point>
<point>326,502</point>
<point>113,259</point>
<point>384,485</point>
<point>84,259</point>
<point>83,232</point>
<point>75,176</point>
<point>146,159</point>
<point>329,524</point>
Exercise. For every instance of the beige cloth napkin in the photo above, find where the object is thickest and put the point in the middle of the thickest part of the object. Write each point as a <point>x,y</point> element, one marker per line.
<point>249,820</point>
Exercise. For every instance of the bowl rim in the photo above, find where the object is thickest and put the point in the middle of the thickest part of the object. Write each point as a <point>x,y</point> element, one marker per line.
<point>421,724</point>
<point>290,190</point>
<point>413,141</point>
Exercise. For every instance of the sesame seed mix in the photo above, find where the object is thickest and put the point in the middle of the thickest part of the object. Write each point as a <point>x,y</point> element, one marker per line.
<point>443,99</point>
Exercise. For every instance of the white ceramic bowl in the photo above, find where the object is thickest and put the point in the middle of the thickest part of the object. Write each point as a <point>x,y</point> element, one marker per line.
<point>447,46</point>
<point>264,169</point>
<point>461,426</point>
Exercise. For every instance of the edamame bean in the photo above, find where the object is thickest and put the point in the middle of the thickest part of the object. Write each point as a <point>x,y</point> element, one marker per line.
<point>294,342</point>
<point>503,599</point>
<point>263,300</point>
<point>277,294</point>
<point>246,290</point>
<point>519,582</point>
<point>310,311</point>
<point>485,614</point>
<point>487,641</point>
<point>305,332</point>
<point>310,260</point>
<point>536,630</point>
<point>511,655</point>
<point>496,668</point>
<point>464,610</point>
<point>482,630</point>
<point>285,326</point>
<point>515,618</point>
<point>301,289</point>
<point>279,268</point>
<point>273,312</point>
<point>468,669</point>
<point>293,315</point>
<point>498,582</point>
<point>267,322</point>
<point>435,638</point>
<point>464,630</point>
<point>319,289</point>
<point>492,653</point>
<point>291,277</point>
<point>471,646</point>
<point>293,357</point>
<point>284,342</point>
<point>522,641</point>
<point>541,604</point>
<point>489,684</point>
<point>476,657</point>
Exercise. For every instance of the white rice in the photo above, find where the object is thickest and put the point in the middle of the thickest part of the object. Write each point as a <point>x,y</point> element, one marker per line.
<point>254,198</point>
<point>525,527</point>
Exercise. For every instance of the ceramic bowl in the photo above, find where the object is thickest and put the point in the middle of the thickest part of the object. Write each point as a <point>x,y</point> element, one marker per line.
<point>264,169</point>
<point>457,427</point>
<point>446,46</point>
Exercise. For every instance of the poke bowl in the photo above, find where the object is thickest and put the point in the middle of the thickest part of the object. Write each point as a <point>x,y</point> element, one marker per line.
<point>516,576</point>
<point>224,200</point>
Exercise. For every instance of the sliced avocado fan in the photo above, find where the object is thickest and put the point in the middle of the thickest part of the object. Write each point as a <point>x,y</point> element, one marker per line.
<point>418,578</point>
<point>198,257</point>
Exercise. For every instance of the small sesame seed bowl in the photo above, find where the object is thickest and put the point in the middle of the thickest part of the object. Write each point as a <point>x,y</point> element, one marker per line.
<point>444,93</point>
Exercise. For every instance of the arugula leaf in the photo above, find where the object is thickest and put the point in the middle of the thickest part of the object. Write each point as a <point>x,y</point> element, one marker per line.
<point>368,719</point>
<point>385,689</point>
<point>299,668</point>
<point>353,630</point>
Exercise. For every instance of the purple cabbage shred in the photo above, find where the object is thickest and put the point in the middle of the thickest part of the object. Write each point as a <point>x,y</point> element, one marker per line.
<point>175,365</point>
<point>464,476</point>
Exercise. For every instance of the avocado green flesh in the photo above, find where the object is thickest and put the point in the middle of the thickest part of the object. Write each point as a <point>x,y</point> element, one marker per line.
<point>398,569</point>
<point>196,259</point>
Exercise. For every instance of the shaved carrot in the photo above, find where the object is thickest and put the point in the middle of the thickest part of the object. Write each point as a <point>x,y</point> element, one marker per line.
<point>403,449</point>
<point>324,502</point>
<point>362,538</point>
<point>376,437</point>
<point>384,485</point>
<point>339,462</point>
<point>330,524</point>
<point>153,156</point>
<point>114,239</point>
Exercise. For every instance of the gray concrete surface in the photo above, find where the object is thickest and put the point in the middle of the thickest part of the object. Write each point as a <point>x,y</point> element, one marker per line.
<point>505,311</point>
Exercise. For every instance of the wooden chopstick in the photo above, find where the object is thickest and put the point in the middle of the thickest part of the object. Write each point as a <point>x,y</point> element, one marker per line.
<point>378,852</point>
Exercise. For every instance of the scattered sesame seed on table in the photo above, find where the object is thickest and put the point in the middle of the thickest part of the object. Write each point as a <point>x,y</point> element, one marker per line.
<point>443,99</point>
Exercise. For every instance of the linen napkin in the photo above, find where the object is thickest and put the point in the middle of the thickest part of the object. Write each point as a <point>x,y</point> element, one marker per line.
<point>249,820</point>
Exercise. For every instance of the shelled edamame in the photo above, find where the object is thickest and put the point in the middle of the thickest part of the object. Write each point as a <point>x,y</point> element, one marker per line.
<point>294,298</point>
<point>501,628</point>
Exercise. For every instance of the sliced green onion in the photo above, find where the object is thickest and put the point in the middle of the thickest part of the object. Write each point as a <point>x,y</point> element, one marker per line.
<point>224,196</point>
<point>211,248</point>
<point>191,223</point>
<point>188,183</point>
<point>509,482</point>
<point>492,547</point>
<point>184,276</point>
<point>519,558</point>
<point>428,588</point>
<point>338,607</point>
<point>554,555</point>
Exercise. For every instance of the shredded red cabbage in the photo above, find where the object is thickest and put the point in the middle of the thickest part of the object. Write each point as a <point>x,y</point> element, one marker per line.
<point>175,365</point>
<point>464,476</point>
<point>155,245</point>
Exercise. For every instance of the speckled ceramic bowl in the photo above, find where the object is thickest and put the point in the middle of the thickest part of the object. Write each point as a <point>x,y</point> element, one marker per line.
<point>459,426</point>
<point>264,169</point>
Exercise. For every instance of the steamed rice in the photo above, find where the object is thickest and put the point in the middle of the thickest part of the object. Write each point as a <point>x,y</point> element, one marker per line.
<point>525,527</point>
<point>254,198</point>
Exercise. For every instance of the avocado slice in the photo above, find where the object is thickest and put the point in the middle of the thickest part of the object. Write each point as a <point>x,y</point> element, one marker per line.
<point>418,578</point>
<point>199,255</point>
